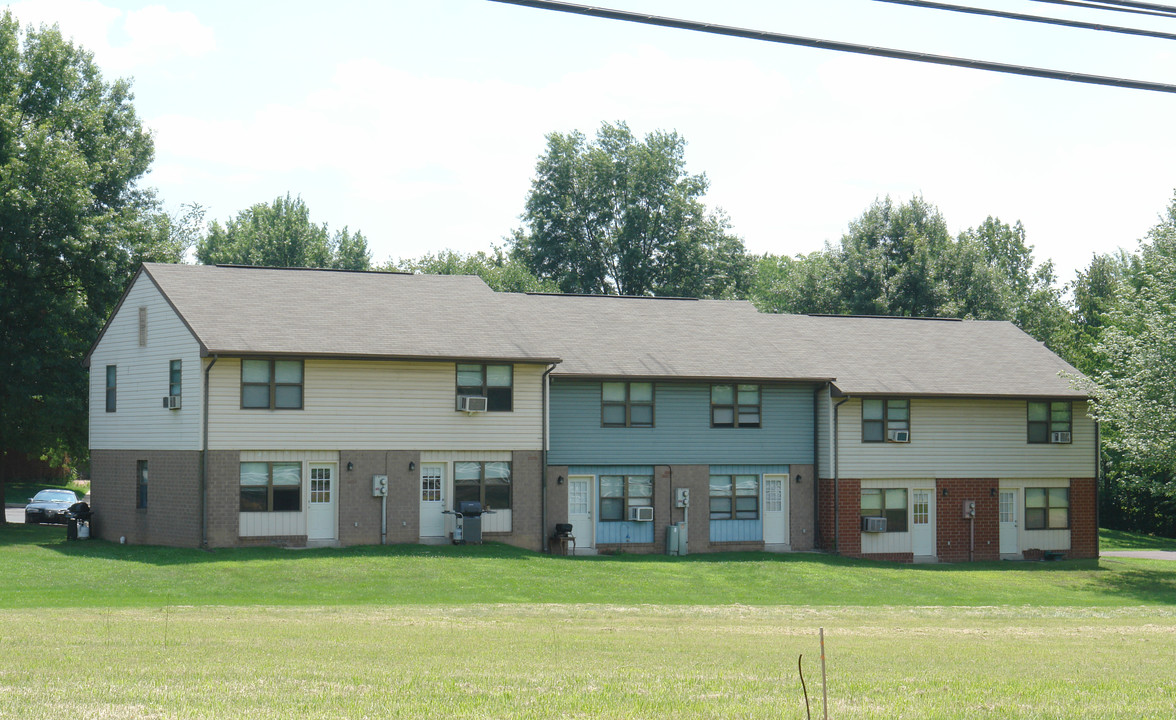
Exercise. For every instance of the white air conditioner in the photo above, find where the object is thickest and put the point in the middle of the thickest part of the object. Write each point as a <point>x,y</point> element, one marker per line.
<point>471,403</point>
<point>902,436</point>
<point>1059,437</point>
<point>643,513</point>
<point>874,524</point>
<point>173,402</point>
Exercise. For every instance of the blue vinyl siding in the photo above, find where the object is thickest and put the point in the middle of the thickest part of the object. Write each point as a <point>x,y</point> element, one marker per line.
<point>616,532</point>
<point>682,434</point>
<point>743,530</point>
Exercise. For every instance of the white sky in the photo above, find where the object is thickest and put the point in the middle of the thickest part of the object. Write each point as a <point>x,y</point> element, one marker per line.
<point>419,123</point>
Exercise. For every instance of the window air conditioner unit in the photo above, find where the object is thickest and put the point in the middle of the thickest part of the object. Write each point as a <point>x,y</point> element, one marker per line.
<point>471,403</point>
<point>903,436</point>
<point>874,524</point>
<point>172,402</point>
<point>641,514</point>
<point>1059,437</point>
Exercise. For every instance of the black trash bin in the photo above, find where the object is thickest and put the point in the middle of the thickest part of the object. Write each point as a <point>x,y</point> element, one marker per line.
<point>78,513</point>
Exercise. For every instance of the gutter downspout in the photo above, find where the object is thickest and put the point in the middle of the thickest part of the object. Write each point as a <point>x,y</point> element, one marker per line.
<point>544,547</point>
<point>204,461</point>
<point>1098,481</point>
<point>817,462</point>
<point>836,477</point>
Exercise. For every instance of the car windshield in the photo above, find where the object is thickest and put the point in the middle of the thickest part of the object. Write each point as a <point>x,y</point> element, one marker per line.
<point>55,496</point>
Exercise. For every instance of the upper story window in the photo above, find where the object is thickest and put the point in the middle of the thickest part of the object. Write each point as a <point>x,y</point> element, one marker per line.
<point>271,487</point>
<point>111,388</point>
<point>484,482</point>
<point>734,497</point>
<point>626,404</point>
<point>890,503</point>
<point>493,382</point>
<point>1047,508</point>
<point>886,420</point>
<point>1050,421</point>
<point>141,484</point>
<point>271,384</point>
<point>175,377</point>
<point>618,493</point>
<point>735,406</point>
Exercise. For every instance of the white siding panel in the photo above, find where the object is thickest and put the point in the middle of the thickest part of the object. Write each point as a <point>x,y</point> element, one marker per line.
<point>141,422</point>
<point>447,456</point>
<point>265,524</point>
<point>501,520</point>
<point>1037,539</point>
<point>891,542</point>
<point>964,438</point>
<point>374,405</point>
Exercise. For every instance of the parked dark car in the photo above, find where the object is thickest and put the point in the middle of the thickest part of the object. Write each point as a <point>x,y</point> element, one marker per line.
<point>50,506</point>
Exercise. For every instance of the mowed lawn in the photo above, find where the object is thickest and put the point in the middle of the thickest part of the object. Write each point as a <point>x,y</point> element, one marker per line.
<point>105,631</point>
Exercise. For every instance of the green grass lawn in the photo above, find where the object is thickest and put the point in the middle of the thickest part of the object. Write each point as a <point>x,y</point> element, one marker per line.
<point>18,492</point>
<point>1123,540</point>
<point>494,632</point>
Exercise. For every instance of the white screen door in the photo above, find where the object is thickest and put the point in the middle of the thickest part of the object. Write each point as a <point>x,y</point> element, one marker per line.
<point>320,508</point>
<point>923,522</point>
<point>580,505</point>
<point>1008,523</point>
<point>432,500</point>
<point>776,510</point>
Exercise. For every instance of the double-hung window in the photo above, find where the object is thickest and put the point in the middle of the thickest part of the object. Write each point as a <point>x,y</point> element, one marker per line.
<point>886,420</point>
<point>626,404</point>
<point>141,484</point>
<point>890,503</point>
<point>271,384</point>
<point>1050,421</point>
<point>484,482</point>
<point>735,406</point>
<point>175,378</point>
<point>734,497</point>
<point>111,388</point>
<point>618,493</point>
<point>271,487</point>
<point>493,382</point>
<point>1047,508</point>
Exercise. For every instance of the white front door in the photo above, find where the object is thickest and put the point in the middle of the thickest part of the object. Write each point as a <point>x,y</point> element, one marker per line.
<point>580,504</point>
<point>432,500</point>
<point>776,510</point>
<point>923,523</point>
<point>1008,523</point>
<point>320,510</point>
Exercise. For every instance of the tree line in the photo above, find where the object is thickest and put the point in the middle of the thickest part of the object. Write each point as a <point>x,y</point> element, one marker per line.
<point>615,214</point>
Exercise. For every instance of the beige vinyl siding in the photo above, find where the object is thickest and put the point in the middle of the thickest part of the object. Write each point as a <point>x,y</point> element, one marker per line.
<point>141,422</point>
<point>1038,539</point>
<point>964,438</point>
<point>892,542</point>
<point>374,405</point>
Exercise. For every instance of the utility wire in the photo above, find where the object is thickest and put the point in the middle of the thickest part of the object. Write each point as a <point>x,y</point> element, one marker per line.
<point>1113,8</point>
<point>1136,4</point>
<point>1032,18</point>
<point>765,36</point>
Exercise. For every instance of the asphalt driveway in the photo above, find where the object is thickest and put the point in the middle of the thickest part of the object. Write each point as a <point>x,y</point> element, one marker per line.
<point>1148,554</point>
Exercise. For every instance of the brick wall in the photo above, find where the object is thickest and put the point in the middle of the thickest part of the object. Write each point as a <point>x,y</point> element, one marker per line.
<point>849,542</point>
<point>224,498</point>
<point>172,515</point>
<point>526,502</point>
<point>800,508</point>
<point>952,534</point>
<point>1083,518</point>
<point>359,510</point>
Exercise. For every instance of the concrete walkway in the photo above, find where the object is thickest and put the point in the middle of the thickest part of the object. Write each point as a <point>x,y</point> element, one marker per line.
<point>1148,554</point>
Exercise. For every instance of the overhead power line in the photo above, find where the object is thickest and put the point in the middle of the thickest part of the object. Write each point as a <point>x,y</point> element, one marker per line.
<point>1114,8</point>
<point>765,36</point>
<point>1032,18</point>
<point>1136,4</point>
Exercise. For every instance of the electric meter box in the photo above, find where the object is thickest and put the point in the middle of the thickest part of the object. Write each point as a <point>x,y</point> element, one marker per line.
<point>681,497</point>
<point>379,485</point>
<point>969,509</point>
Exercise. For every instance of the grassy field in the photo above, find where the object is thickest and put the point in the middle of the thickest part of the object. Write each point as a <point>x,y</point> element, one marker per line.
<point>1122,540</point>
<point>19,492</point>
<point>493,632</point>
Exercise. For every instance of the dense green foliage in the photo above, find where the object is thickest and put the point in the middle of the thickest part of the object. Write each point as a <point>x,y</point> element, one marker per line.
<point>280,234</point>
<point>73,227</point>
<point>500,271</point>
<point>622,216</point>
